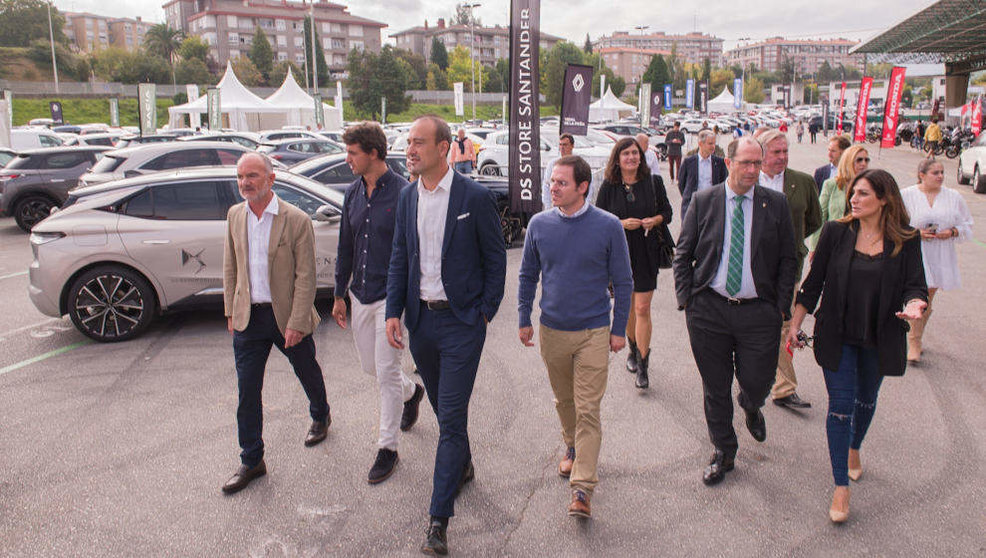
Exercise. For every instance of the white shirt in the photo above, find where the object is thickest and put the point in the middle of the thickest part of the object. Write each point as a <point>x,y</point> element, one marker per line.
<point>704,172</point>
<point>546,184</point>
<point>432,213</point>
<point>776,183</point>
<point>941,264</point>
<point>652,161</point>
<point>747,288</point>
<point>832,170</point>
<point>258,241</point>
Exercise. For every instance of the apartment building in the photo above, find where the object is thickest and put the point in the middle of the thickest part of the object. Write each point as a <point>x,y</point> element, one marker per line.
<point>89,32</point>
<point>693,48</point>
<point>228,27</point>
<point>629,63</point>
<point>807,55</point>
<point>491,43</point>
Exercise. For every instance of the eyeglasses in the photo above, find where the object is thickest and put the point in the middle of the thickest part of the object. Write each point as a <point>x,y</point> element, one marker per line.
<point>629,193</point>
<point>862,159</point>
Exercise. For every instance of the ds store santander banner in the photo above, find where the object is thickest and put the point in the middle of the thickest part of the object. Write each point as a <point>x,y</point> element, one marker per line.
<point>891,111</point>
<point>859,127</point>
<point>525,107</point>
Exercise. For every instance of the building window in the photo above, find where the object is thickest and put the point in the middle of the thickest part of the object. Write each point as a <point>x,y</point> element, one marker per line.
<point>299,41</point>
<point>327,44</point>
<point>299,58</point>
<point>234,54</point>
<point>356,44</point>
<point>355,30</point>
<point>231,21</point>
<point>338,44</point>
<point>282,56</point>
<point>326,27</point>
<point>336,28</point>
<point>280,24</point>
<point>282,41</point>
<point>234,38</point>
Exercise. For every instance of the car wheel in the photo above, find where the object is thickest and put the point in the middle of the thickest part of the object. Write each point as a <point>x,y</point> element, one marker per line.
<point>978,185</point>
<point>489,169</point>
<point>111,303</point>
<point>959,177</point>
<point>30,210</point>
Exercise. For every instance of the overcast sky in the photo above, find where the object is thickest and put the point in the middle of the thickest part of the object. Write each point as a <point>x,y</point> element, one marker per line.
<point>729,19</point>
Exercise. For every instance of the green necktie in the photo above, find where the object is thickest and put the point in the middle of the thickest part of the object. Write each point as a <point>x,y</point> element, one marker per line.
<point>734,271</point>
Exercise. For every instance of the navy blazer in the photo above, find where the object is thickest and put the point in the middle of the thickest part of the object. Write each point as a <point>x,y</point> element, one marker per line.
<point>688,178</point>
<point>474,256</point>
<point>821,175</point>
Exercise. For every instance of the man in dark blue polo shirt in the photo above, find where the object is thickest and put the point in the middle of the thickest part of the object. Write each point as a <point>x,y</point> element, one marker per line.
<point>366,235</point>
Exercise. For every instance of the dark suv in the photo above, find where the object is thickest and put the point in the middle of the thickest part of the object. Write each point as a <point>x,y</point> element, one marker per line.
<point>39,179</point>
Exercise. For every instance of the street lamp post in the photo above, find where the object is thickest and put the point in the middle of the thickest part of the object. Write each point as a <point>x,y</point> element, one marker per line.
<point>51,36</point>
<point>472,51</point>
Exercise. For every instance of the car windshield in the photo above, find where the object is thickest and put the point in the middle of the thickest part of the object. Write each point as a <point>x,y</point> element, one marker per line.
<point>109,163</point>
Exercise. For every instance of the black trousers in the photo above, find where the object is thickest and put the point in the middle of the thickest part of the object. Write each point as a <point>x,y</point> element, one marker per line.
<point>732,340</point>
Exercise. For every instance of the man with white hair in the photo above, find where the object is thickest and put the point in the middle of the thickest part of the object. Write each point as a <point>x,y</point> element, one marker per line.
<point>650,157</point>
<point>806,217</point>
<point>701,170</point>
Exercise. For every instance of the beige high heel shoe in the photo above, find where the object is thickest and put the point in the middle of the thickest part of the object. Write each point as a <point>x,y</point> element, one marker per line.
<point>855,473</point>
<point>836,514</point>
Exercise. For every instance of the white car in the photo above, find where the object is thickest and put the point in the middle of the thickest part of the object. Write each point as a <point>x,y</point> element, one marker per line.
<point>693,125</point>
<point>494,159</point>
<point>972,165</point>
<point>33,138</point>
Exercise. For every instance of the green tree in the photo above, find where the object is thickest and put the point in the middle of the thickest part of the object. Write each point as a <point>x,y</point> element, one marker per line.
<point>162,40</point>
<point>23,21</point>
<point>372,76</point>
<point>559,57</point>
<point>417,65</point>
<point>281,70</point>
<point>720,78</point>
<point>753,90</point>
<point>587,47</point>
<point>439,54</point>
<point>498,77</point>
<point>194,71</point>
<point>437,80</point>
<point>193,47</point>
<point>656,73</point>
<point>825,73</point>
<point>69,65</point>
<point>322,69</point>
<point>460,68</point>
<point>261,54</point>
<point>617,84</point>
<point>246,71</point>
<point>706,70</point>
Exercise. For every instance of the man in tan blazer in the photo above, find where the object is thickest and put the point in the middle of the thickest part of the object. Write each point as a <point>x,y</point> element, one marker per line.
<point>269,295</point>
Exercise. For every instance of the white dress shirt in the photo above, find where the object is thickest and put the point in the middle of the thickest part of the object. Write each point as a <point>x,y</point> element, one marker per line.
<point>704,172</point>
<point>258,241</point>
<point>747,288</point>
<point>546,184</point>
<point>776,183</point>
<point>832,170</point>
<point>432,213</point>
<point>652,161</point>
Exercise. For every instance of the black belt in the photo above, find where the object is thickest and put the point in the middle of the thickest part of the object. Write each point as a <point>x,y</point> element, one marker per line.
<point>436,304</point>
<point>260,305</point>
<point>733,301</point>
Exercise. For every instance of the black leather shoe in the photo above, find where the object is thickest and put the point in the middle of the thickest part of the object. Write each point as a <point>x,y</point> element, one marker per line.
<point>717,469</point>
<point>318,431</point>
<point>792,402</point>
<point>436,539</point>
<point>244,476</point>
<point>410,414</point>
<point>756,424</point>
<point>633,359</point>
<point>642,381</point>
<point>468,473</point>
<point>383,467</point>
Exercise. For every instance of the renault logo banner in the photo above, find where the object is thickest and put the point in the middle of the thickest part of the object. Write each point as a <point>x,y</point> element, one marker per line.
<point>524,171</point>
<point>575,100</point>
<point>56,111</point>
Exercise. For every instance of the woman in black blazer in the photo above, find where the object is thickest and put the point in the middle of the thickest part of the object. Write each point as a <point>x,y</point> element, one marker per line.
<point>867,267</point>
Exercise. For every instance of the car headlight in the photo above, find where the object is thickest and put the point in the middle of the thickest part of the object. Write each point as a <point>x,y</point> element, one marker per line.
<point>39,238</point>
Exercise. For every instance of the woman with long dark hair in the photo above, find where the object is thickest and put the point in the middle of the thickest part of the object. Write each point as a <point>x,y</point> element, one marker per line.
<point>870,277</point>
<point>639,200</point>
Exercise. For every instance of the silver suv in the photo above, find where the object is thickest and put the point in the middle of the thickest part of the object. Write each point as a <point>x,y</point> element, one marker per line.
<point>126,251</point>
<point>154,157</point>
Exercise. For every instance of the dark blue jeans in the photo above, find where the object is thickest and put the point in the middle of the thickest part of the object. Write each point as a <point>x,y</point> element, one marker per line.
<point>446,352</point>
<point>251,347</point>
<point>853,389</point>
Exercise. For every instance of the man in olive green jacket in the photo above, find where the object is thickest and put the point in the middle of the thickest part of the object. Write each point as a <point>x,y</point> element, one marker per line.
<point>806,216</point>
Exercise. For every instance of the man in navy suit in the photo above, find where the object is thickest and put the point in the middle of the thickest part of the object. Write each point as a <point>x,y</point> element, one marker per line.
<point>447,272</point>
<point>701,170</point>
<point>837,145</point>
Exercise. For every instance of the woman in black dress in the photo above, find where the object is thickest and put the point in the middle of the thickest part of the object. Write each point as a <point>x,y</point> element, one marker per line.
<point>640,201</point>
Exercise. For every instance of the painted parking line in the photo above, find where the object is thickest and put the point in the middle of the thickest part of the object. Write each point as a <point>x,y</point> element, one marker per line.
<point>979,242</point>
<point>44,356</point>
<point>18,274</point>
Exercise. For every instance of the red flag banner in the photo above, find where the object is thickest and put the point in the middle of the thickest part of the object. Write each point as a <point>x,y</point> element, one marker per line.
<point>977,116</point>
<point>859,128</point>
<point>891,111</point>
<point>842,108</point>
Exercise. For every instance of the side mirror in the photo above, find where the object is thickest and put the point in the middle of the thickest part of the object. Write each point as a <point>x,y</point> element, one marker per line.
<point>327,214</point>
<point>131,173</point>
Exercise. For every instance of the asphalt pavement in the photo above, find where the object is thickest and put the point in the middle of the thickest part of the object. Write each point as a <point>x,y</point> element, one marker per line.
<point>120,449</point>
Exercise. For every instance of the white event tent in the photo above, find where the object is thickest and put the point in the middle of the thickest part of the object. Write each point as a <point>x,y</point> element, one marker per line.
<point>609,108</point>
<point>724,102</point>
<point>241,109</point>
<point>299,107</point>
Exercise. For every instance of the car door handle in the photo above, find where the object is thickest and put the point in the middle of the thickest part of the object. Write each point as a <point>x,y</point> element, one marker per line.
<point>157,242</point>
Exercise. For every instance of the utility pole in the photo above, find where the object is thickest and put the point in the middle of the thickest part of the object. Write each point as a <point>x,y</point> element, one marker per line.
<point>51,37</point>
<point>314,60</point>
<point>472,52</point>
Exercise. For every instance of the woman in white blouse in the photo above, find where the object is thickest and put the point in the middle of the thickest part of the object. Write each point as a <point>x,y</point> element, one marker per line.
<point>943,218</point>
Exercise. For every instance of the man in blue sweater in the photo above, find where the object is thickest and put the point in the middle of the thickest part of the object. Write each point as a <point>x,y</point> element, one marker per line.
<point>578,250</point>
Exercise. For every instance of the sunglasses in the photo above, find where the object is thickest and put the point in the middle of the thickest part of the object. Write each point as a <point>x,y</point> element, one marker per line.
<point>629,193</point>
<point>862,159</point>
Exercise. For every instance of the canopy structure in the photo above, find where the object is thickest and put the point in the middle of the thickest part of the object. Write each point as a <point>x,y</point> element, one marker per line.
<point>299,106</point>
<point>724,102</point>
<point>241,109</point>
<point>609,108</point>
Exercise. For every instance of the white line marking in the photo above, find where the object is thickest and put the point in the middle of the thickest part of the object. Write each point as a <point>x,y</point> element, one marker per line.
<point>18,274</point>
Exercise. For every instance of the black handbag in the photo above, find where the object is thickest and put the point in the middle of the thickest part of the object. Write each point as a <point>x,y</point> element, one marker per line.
<point>660,241</point>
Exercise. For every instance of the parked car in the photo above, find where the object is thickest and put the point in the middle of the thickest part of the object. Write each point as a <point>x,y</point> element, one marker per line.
<point>400,143</point>
<point>129,250</point>
<point>129,141</point>
<point>33,138</point>
<point>495,156</point>
<point>295,150</point>
<point>144,159</point>
<point>39,179</point>
<point>334,172</point>
<point>694,125</point>
<point>108,139</point>
<point>6,155</point>
<point>270,136</point>
<point>972,165</point>
<point>248,140</point>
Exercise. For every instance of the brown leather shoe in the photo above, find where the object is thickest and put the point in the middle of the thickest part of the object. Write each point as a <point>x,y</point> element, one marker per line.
<point>318,431</point>
<point>580,505</point>
<point>566,464</point>
<point>244,476</point>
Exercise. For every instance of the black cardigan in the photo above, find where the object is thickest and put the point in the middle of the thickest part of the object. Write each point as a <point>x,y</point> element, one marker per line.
<point>903,280</point>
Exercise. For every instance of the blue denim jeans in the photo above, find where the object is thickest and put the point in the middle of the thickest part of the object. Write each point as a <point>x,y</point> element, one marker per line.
<point>853,389</point>
<point>464,167</point>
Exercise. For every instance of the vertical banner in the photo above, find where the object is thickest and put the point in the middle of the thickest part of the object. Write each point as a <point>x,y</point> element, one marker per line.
<point>656,106</point>
<point>977,116</point>
<point>319,111</point>
<point>192,92</point>
<point>842,108</point>
<point>4,124</point>
<point>339,98</point>
<point>213,103</point>
<point>787,95</point>
<point>703,97</point>
<point>525,106</point>
<point>667,97</point>
<point>383,110</point>
<point>891,109</point>
<point>645,104</point>
<point>458,99</point>
<point>690,94</point>
<point>936,107</point>
<point>576,96</point>
<point>737,93</point>
<point>503,110</point>
<point>56,111</point>
<point>602,85</point>
<point>8,96</point>
<point>859,126</point>
<point>147,107</point>
<point>114,112</point>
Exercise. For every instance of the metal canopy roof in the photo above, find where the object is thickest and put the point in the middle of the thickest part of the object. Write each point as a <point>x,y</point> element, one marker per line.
<point>950,31</point>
